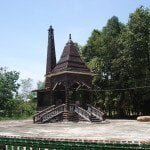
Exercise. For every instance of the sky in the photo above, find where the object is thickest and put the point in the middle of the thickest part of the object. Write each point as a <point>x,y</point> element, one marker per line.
<point>24,25</point>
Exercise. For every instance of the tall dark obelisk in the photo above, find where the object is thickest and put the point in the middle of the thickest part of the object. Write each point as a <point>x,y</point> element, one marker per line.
<point>51,56</point>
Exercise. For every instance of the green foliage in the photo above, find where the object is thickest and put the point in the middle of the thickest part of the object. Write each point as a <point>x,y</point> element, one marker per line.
<point>120,56</point>
<point>139,44</point>
<point>26,87</point>
<point>8,87</point>
<point>12,104</point>
<point>40,85</point>
<point>18,109</point>
<point>92,48</point>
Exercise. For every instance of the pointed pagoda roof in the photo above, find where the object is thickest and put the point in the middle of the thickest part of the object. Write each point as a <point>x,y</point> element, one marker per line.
<point>70,61</point>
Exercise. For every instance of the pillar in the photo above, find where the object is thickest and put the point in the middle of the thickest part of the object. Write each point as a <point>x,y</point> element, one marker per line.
<point>66,111</point>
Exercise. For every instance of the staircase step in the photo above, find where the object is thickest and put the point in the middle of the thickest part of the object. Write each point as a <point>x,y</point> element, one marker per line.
<point>94,119</point>
<point>57,118</point>
<point>82,119</point>
<point>73,117</point>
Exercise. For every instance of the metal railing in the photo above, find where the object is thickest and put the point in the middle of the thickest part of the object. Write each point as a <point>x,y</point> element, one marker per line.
<point>7,143</point>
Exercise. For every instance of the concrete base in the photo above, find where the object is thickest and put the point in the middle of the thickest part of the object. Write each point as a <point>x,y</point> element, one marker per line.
<point>111,130</point>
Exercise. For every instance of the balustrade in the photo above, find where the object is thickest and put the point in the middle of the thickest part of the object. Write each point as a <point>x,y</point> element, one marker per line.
<point>95,112</point>
<point>83,113</point>
<point>37,116</point>
<point>48,115</point>
<point>53,111</point>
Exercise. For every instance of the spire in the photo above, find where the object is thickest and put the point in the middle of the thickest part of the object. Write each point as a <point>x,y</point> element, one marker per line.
<point>69,36</point>
<point>70,40</point>
<point>51,57</point>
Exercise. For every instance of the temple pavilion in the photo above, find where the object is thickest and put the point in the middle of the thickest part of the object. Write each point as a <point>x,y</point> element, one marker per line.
<point>68,84</point>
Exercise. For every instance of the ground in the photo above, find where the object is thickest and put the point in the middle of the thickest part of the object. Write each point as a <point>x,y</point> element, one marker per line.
<point>113,130</point>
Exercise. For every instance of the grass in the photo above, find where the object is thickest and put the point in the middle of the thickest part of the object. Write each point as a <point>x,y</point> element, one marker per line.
<point>15,117</point>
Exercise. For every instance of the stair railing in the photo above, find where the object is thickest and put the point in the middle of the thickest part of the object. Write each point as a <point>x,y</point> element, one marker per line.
<point>80,111</point>
<point>95,112</point>
<point>50,114</point>
<point>37,116</point>
<point>72,107</point>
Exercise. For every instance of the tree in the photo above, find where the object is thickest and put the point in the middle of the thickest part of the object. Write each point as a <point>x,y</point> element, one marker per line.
<point>13,104</point>
<point>8,87</point>
<point>120,56</point>
<point>100,52</point>
<point>138,43</point>
<point>26,87</point>
<point>92,48</point>
<point>40,85</point>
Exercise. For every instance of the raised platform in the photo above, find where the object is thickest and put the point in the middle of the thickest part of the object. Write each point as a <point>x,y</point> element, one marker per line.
<point>119,131</point>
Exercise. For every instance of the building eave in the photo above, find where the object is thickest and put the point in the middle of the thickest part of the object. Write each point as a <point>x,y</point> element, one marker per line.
<point>70,72</point>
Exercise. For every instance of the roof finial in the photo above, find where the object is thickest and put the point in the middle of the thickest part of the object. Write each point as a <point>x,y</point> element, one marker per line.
<point>50,28</point>
<point>69,36</point>
<point>70,41</point>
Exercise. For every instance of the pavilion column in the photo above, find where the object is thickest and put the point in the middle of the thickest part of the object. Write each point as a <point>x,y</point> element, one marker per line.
<point>66,111</point>
<point>52,98</point>
<point>67,98</point>
<point>90,96</point>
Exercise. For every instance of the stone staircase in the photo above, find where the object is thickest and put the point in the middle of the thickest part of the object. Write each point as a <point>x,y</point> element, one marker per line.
<point>75,114</point>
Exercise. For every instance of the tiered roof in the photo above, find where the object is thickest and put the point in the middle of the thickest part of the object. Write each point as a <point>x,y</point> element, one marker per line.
<point>70,60</point>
